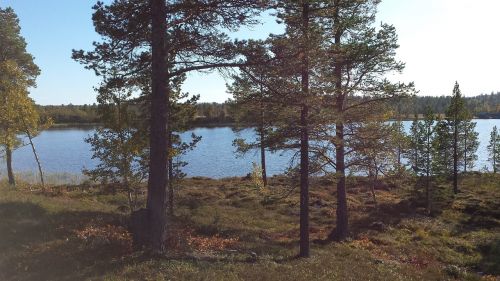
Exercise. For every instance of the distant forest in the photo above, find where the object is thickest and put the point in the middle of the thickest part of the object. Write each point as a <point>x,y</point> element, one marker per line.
<point>217,114</point>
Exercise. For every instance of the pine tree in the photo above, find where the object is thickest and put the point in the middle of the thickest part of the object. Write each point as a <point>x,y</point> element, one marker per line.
<point>358,58</point>
<point>494,149</point>
<point>464,138</point>
<point>415,140</point>
<point>443,150</point>
<point>252,105</point>
<point>183,36</point>
<point>469,142</point>
<point>426,153</point>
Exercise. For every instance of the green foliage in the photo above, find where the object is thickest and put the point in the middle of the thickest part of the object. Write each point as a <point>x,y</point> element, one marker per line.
<point>481,106</point>
<point>18,114</point>
<point>70,114</point>
<point>118,144</point>
<point>256,176</point>
<point>463,136</point>
<point>494,149</point>
<point>443,149</point>
<point>13,46</point>
<point>423,134</point>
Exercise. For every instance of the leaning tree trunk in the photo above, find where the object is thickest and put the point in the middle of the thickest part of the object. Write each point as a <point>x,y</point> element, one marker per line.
<point>304,142</point>
<point>10,172</point>
<point>158,168</point>
<point>30,138</point>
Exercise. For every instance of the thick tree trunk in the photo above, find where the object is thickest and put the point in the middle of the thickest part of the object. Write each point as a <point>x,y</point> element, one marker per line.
<point>304,185</point>
<point>10,172</point>
<point>158,166</point>
<point>304,141</point>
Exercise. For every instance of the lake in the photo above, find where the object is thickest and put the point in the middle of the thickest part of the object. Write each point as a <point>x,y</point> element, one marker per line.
<point>63,151</point>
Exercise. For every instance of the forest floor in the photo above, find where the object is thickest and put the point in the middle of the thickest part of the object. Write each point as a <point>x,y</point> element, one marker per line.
<point>229,230</point>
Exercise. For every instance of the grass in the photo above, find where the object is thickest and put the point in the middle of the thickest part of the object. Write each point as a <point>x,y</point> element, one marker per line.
<point>229,230</point>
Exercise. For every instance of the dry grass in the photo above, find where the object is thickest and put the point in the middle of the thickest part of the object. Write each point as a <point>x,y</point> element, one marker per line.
<point>229,230</point>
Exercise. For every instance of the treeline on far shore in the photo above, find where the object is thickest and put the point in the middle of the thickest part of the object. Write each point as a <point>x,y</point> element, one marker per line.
<point>220,114</point>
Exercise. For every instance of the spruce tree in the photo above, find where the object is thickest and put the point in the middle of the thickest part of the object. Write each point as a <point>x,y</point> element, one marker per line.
<point>494,149</point>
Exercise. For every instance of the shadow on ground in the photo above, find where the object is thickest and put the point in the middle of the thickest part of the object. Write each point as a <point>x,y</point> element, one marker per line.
<point>37,245</point>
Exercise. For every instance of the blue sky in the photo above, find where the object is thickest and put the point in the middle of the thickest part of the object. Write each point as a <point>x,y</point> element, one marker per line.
<point>441,41</point>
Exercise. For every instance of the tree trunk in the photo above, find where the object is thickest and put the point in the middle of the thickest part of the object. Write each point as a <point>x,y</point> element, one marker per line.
<point>455,156</point>
<point>304,141</point>
<point>36,158</point>
<point>158,168</point>
<point>465,150</point>
<point>263,150</point>
<point>170,178</point>
<point>374,182</point>
<point>341,231</point>
<point>10,173</point>
<point>428,173</point>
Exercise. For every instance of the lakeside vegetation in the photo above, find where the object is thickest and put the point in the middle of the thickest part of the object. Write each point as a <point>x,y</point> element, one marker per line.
<point>484,106</point>
<point>231,230</point>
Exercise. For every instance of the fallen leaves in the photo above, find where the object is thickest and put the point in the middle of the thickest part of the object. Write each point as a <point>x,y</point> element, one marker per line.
<point>105,234</point>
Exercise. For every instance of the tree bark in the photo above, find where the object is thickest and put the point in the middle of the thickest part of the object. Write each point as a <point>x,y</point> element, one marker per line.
<point>465,150</point>
<point>170,177</point>
<point>10,172</point>
<point>263,149</point>
<point>341,231</point>
<point>455,155</point>
<point>304,141</point>
<point>428,173</point>
<point>158,166</point>
<point>30,138</point>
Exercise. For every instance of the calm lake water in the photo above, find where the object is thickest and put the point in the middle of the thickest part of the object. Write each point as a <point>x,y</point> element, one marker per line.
<point>63,150</point>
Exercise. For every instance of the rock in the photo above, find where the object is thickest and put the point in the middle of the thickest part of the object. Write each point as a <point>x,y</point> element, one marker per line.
<point>139,227</point>
<point>377,225</point>
<point>252,257</point>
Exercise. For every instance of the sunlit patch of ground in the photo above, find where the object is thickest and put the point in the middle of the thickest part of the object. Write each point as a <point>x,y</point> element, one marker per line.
<point>230,230</point>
